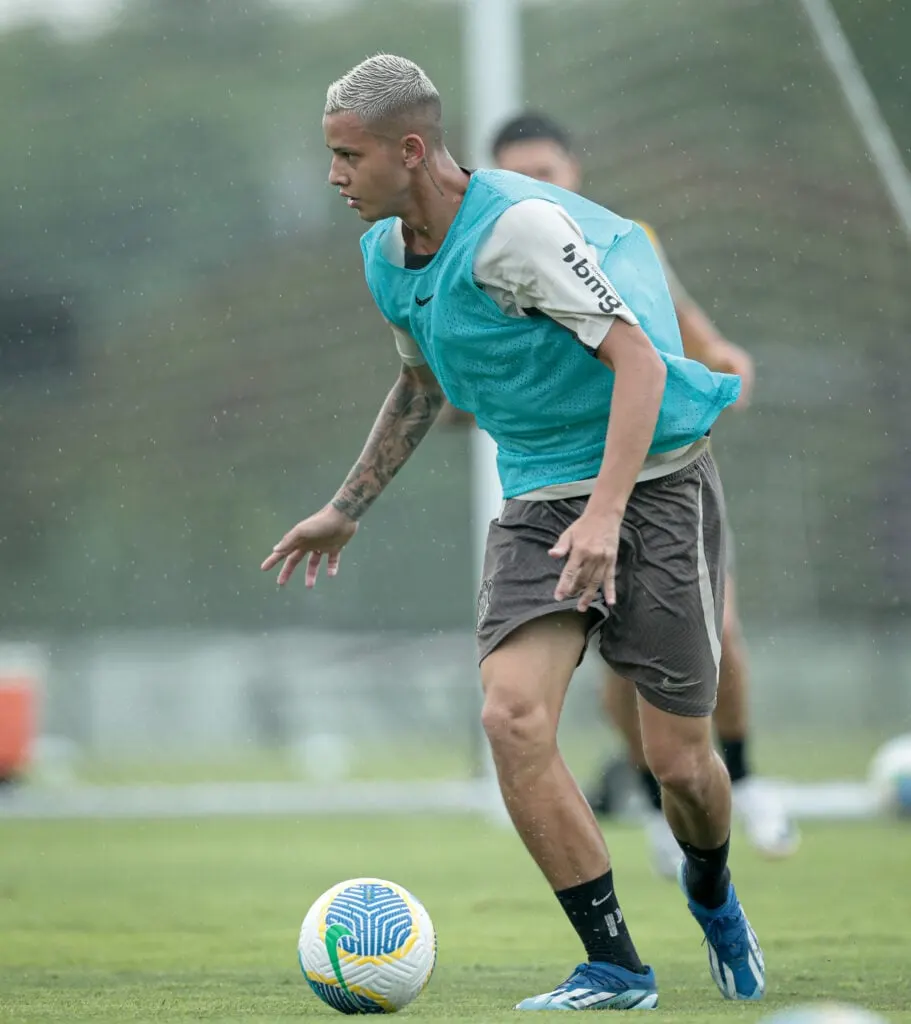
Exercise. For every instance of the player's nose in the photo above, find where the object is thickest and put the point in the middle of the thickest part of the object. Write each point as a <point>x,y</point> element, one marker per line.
<point>336,177</point>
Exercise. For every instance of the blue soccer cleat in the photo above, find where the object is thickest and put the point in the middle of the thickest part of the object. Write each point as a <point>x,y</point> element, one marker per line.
<point>599,986</point>
<point>735,958</point>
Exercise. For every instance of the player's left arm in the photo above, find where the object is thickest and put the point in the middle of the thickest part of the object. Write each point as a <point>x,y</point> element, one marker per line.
<point>544,259</point>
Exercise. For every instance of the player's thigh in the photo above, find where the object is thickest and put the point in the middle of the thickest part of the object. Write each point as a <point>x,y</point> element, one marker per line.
<point>623,710</point>
<point>522,630</point>
<point>529,672</point>
<point>664,633</point>
<point>731,628</point>
<point>732,631</point>
<point>619,698</point>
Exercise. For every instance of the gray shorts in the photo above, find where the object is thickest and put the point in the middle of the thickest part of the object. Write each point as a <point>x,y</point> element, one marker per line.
<point>664,632</point>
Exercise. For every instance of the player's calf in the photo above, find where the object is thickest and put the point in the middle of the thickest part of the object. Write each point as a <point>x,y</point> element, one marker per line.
<point>696,799</point>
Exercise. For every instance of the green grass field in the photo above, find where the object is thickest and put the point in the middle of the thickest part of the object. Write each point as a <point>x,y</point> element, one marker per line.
<point>189,921</point>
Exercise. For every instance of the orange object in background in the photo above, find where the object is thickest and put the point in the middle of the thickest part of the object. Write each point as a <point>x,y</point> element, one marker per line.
<point>18,697</point>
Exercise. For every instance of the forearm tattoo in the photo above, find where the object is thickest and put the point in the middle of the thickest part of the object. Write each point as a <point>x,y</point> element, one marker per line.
<point>407,414</point>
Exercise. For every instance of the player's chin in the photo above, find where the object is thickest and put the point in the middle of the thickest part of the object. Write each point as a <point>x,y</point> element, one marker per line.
<point>368,215</point>
<point>371,211</point>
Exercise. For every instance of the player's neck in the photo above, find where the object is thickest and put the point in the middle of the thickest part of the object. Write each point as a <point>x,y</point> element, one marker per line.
<point>433,203</point>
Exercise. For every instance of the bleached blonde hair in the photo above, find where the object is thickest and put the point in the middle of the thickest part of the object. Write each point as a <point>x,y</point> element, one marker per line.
<point>385,88</point>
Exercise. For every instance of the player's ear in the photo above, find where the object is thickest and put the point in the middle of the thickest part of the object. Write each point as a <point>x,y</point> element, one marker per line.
<point>414,150</point>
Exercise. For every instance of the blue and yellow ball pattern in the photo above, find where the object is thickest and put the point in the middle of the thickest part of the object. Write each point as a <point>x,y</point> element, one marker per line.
<point>367,946</point>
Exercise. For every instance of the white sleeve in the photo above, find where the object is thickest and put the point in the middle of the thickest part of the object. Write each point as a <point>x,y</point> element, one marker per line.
<point>407,347</point>
<point>538,255</point>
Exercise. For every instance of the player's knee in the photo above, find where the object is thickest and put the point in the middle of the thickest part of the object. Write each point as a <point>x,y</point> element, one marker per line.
<point>683,771</point>
<point>516,724</point>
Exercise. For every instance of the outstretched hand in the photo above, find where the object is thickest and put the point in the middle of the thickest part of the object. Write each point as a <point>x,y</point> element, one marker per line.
<point>324,533</point>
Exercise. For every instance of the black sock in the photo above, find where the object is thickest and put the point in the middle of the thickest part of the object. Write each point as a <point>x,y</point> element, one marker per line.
<point>652,787</point>
<point>593,911</point>
<point>735,758</point>
<point>707,875</point>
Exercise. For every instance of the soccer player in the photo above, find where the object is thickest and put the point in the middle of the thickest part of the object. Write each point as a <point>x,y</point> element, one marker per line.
<point>535,145</point>
<point>548,318</point>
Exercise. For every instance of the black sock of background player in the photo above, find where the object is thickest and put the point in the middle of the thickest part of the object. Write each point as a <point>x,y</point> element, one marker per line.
<point>652,787</point>
<point>707,875</point>
<point>735,758</point>
<point>594,912</point>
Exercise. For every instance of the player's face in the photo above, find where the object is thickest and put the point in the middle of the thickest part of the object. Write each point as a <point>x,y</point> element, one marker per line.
<point>543,159</point>
<point>369,171</point>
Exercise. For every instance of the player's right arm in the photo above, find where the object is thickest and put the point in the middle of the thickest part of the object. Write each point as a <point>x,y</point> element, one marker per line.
<point>407,414</point>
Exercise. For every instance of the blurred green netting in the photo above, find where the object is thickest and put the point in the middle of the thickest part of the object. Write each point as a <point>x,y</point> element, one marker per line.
<point>165,181</point>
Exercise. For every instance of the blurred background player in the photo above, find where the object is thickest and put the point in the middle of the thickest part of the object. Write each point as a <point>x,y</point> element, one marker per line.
<point>535,145</point>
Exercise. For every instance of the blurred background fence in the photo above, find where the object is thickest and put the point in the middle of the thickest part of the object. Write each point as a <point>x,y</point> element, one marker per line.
<point>189,361</point>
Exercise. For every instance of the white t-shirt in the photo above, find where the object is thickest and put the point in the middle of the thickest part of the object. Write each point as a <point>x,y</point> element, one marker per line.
<point>537,258</point>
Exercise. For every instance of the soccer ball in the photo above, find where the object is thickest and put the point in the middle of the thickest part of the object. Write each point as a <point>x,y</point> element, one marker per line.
<point>367,946</point>
<point>824,1013</point>
<point>890,775</point>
